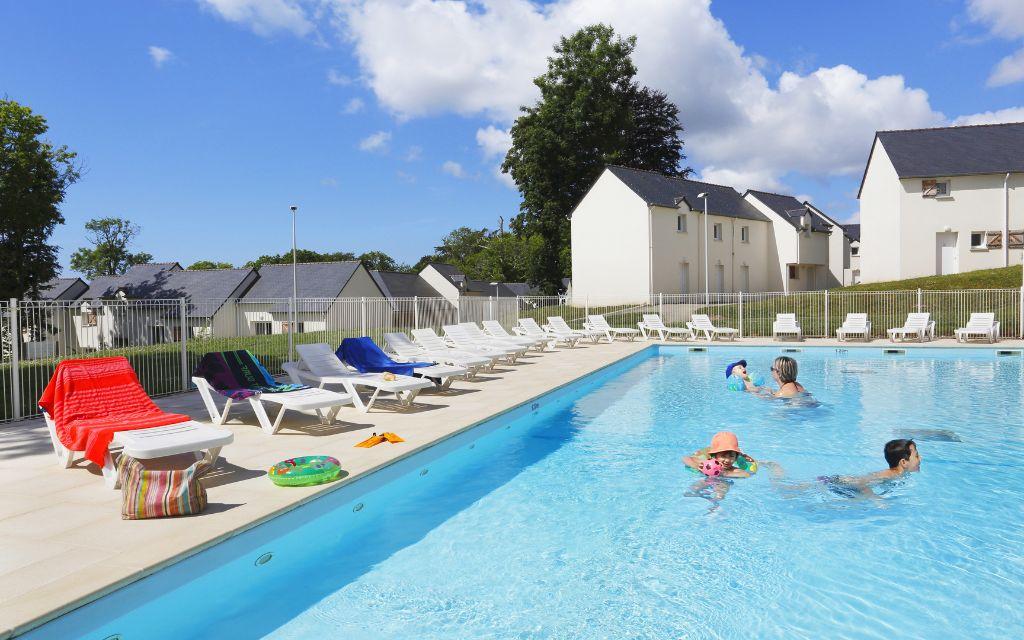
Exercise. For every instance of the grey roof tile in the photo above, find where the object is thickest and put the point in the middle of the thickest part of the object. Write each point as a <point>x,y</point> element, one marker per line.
<point>63,289</point>
<point>667,191</point>
<point>789,209</point>
<point>952,151</point>
<point>395,284</point>
<point>852,231</point>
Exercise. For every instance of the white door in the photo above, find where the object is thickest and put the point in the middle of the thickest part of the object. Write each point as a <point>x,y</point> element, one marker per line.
<point>684,278</point>
<point>720,278</point>
<point>745,278</point>
<point>948,258</point>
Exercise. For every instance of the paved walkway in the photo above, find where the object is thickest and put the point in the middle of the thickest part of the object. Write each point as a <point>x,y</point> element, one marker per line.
<point>64,543</point>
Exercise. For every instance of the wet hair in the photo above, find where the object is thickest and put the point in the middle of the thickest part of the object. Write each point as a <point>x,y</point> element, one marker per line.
<point>897,451</point>
<point>786,368</point>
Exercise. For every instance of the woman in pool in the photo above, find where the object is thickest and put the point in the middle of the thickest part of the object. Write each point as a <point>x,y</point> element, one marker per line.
<point>784,371</point>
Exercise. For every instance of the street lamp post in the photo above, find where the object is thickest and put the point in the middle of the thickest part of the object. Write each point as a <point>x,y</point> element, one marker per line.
<point>295,290</point>
<point>707,278</point>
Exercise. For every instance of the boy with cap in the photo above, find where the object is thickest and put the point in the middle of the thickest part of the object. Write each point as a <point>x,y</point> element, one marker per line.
<point>737,377</point>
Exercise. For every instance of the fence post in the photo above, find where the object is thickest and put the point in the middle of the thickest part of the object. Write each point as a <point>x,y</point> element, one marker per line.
<point>416,312</point>
<point>362,316</point>
<point>827,333</point>
<point>741,314</point>
<point>661,306</point>
<point>490,307</point>
<point>919,300</point>
<point>1021,319</point>
<point>458,310</point>
<point>182,319</point>
<point>586,306</point>
<point>292,316</point>
<point>15,355</point>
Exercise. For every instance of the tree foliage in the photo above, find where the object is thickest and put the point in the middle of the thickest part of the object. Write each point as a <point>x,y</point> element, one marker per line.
<point>34,178</point>
<point>380,261</point>
<point>110,254</point>
<point>591,114</point>
<point>210,264</point>
<point>482,254</point>
<point>373,260</point>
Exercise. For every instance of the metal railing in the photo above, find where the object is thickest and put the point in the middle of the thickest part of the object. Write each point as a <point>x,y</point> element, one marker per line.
<point>164,339</point>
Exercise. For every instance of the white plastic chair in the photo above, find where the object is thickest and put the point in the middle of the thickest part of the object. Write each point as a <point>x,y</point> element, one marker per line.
<point>529,327</point>
<point>702,324</point>
<point>316,400</point>
<point>476,333</point>
<point>855,324</point>
<point>433,343</point>
<point>495,330</point>
<point>919,326</point>
<point>558,325</point>
<point>980,325</point>
<point>652,323</point>
<point>598,323</point>
<point>461,339</point>
<point>786,325</point>
<point>408,351</point>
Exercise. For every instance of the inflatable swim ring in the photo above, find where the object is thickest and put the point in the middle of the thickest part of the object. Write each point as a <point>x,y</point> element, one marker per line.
<point>735,383</point>
<point>304,471</point>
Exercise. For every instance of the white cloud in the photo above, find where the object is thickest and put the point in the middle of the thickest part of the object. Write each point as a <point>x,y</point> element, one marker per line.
<point>453,169</point>
<point>1009,70</point>
<point>413,153</point>
<point>804,197</point>
<point>376,142</point>
<point>329,182</point>
<point>761,179</point>
<point>264,17</point>
<point>1004,18</point>
<point>159,55</point>
<point>340,79</point>
<point>422,58</point>
<point>494,141</point>
<point>355,105</point>
<point>1013,114</point>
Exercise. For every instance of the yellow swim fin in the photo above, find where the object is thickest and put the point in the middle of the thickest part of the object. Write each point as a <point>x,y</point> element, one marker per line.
<point>392,437</point>
<point>372,441</point>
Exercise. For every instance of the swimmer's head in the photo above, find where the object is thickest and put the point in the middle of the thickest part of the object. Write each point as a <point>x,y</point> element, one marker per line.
<point>739,368</point>
<point>902,455</point>
<point>784,369</point>
<point>725,447</point>
<point>727,458</point>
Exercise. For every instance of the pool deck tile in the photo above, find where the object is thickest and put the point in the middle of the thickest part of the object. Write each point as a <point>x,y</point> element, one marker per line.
<point>65,543</point>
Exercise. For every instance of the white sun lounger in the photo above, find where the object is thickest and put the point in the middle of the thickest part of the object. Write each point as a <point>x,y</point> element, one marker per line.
<point>319,365</point>
<point>441,374</point>
<point>919,326</point>
<point>146,444</point>
<point>300,400</point>
<point>558,325</point>
<point>856,324</point>
<point>434,343</point>
<point>529,327</point>
<point>652,324</point>
<point>494,329</point>
<point>980,325</point>
<point>702,324</point>
<point>405,350</point>
<point>786,325</point>
<point>476,333</point>
<point>598,323</point>
<point>460,338</point>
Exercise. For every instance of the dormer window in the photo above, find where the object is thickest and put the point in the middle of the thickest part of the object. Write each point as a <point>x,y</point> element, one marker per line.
<point>935,188</point>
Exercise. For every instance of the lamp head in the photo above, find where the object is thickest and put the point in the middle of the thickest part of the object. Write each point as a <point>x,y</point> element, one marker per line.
<point>293,208</point>
<point>702,195</point>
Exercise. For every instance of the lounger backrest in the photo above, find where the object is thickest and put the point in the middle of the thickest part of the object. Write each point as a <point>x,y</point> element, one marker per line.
<point>982,320</point>
<point>855,320</point>
<point>320,359</point>
<point>429,340</point>
<point>653,321</point>
<point>598,322</point>
<point>474,331</point>
<point>457,334</point>
<point>530,326</point>
<point>702,321</point>
<point>559,324</point>
<point>495,329</point>
<point>402,345</point>
<point>917,320</point>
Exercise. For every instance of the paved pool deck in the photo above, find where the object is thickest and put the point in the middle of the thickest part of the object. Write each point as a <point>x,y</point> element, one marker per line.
<point>64,543</point>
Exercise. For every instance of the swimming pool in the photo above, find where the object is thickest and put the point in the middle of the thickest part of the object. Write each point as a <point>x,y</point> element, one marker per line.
<point>570,518</point>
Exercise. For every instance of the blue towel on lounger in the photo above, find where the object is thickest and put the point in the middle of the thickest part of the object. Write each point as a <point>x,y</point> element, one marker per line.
<point>367,357</point>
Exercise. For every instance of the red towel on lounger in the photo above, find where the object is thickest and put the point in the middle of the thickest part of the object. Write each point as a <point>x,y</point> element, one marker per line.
<point>91,399</point>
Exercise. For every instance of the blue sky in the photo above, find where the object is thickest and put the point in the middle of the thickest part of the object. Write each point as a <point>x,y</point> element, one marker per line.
<point>203,120</point>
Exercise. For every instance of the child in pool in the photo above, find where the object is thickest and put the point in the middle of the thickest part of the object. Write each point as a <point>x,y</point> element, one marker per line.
<point>901,456</point>
<point>738,370</point>
<point>725,447</point>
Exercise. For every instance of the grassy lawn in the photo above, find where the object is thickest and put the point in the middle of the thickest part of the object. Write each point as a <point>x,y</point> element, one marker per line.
<point>1002,278</point>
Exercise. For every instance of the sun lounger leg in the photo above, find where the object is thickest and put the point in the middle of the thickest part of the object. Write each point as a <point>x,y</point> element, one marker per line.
<point>110,478</point>
<point>263,418</point>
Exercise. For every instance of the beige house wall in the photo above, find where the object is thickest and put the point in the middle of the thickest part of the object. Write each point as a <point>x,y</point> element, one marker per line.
<point>880,227</point>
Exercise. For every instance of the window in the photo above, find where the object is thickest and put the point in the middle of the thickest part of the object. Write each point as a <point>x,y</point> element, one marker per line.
<point>935,188</point>
<point>794,272</point>
<point>978,240</point>
<point>854,251</point>
<point>745,277</point>
<point>262,328</point>
<point>684,278</point>
<point>88,318</point>
<point>300,327</point>
<point>744,234</point>
<point>681,223</point>
<point>717,231</point>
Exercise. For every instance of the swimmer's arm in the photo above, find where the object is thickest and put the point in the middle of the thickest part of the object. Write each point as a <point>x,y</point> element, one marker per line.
<point>737,473</point>
<point>691,462</point>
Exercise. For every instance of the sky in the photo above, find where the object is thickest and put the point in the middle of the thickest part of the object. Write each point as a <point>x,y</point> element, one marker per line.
<point>385,121</point>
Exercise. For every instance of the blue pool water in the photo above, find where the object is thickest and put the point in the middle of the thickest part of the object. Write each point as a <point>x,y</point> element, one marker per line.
<point>576,519</point>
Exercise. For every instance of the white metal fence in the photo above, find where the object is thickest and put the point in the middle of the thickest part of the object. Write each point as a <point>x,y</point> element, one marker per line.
<point>164,339</point>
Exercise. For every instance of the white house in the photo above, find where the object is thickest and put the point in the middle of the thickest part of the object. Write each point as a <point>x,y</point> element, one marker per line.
<point>805,249</point>
<point>852,232</point>
<point>637,233</point>
<point>944,200</point>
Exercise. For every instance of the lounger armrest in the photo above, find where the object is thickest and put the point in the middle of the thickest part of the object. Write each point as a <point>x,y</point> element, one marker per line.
<point>995,328</point>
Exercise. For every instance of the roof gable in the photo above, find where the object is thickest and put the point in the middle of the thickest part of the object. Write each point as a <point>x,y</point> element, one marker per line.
<point>954,151</point>
<point>668,191</point>
<point>790,209</point>
<point>62,289</point>
<point>852,231</point>
<point>395,284</point>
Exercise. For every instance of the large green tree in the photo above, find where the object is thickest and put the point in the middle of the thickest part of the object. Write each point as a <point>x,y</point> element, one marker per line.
<point>209,264</point>
<point>591,113</point>
<point>302,255</point>
<point>110,254</point>
<point>34,177</point>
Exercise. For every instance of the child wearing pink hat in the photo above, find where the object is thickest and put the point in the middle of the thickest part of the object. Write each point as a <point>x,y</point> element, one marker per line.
<point>725,450</point>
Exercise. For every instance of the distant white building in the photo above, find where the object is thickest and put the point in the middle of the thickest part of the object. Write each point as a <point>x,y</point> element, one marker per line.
<point>637,233</point>
<point>944,200</point>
